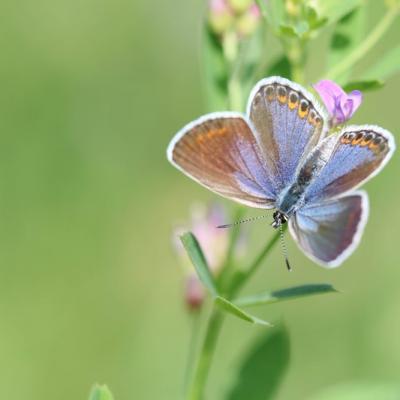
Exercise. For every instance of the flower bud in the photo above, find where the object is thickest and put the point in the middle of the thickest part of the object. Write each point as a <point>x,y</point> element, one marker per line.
<point>220,16</point>
<point>194,292</point>
<point>249,21</point>
<point>240,6</point>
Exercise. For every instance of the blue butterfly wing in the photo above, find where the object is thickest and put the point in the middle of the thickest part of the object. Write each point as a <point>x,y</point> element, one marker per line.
<point>330,231</point>
<point>287,123</point>
<point>346,160</point>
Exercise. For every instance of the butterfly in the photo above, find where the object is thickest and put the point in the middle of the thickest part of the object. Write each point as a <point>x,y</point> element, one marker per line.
<point>281,156</point>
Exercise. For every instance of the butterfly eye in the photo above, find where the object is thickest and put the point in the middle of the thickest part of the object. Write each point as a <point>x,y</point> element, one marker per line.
<point>303,109</point>
<point>347,137</point>
<point>270,92</point>
<point>257,100</point>
<point>375,142</point>
<point>293,100</point>
<point>378,144</point>
<point>282,94</point>
<point>357,138</point>
<point>311,117</point>
<point>367,139</point>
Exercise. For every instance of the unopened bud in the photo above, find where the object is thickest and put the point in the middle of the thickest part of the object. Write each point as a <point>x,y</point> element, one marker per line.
<point>220,16</point>
<point>249,22</point>
<point>194,292</point>
<point>292,8</point>
<point>240,6</point>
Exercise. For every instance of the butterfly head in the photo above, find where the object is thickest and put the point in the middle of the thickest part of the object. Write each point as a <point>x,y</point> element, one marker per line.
<point>279,219</point>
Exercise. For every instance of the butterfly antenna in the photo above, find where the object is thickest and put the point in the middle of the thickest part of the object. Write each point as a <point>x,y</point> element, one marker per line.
<point>284,248</point>
<point>243,221</point>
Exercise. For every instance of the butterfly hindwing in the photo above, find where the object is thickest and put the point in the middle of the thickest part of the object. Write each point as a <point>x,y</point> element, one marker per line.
<point>220,151</point>
<point>330,231</point>
<point>287,122</point>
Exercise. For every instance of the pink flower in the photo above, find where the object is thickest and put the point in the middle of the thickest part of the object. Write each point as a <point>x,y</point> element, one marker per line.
<point>220,16</point>
<point>194,292</point>
<point>248,21</point>
<point>255,11</point>
<point>214,243</point>
<point>218,6</point>
<point>340,105</point>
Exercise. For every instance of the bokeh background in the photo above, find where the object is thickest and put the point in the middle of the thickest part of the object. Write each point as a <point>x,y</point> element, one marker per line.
<point>90,291</point>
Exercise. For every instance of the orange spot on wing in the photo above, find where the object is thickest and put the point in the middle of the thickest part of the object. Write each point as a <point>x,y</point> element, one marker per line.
<point>282,99</point>
<point>211,135</point>
<point>293,105</point>
<point>303,113</point>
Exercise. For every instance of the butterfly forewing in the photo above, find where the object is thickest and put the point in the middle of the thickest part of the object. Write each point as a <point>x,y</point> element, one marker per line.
<point>220,151</point>
<point>349,159</point>
<point>287,122</point>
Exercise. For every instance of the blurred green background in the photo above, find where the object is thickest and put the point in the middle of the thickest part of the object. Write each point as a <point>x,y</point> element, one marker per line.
<point>90,291</point>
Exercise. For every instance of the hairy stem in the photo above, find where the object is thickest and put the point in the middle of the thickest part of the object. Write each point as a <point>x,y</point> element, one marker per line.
<point>295,50</point>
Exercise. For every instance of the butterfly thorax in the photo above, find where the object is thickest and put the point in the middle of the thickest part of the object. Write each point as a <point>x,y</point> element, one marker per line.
<point>290,199</point>
<point>293,197</point>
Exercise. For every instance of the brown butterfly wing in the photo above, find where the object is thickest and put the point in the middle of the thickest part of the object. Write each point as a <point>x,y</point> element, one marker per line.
<point>220,152</point>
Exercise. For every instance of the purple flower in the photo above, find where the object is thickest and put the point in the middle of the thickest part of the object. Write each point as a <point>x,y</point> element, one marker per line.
<point>340,105</point>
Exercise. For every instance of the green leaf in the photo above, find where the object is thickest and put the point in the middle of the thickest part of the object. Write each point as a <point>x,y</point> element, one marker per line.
<point>263,367</point>
<point>314,21</point>
<point>215,72</point>
<point>348,34</point>
<point>364,86</point>
<point>288,31</point>
<point>387,65</point>
<point>199,261</point>
<point>100,392</point>
<point>360,391</point>
<point>334,10</point>
<point>274,12</point>
<point>231,308</point>
<point>284,294</point>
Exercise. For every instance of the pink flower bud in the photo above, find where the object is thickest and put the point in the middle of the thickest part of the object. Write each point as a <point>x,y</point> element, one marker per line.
<point>220,16</point>
<point>194,292</point>
<point>214,243</point>
<point>248,22</point>
<point>240,6</point>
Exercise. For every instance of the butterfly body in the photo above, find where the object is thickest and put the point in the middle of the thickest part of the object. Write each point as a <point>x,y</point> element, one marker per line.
<point>279,156</point>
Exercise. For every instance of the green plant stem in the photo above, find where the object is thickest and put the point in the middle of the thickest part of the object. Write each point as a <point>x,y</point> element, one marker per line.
<point>230,45</point>
<point>226,271</point>
<point>215,322</point>
<point>243,277</point>
<point>195,322</point>
<point>235,94</point>
<point>366,45</point>
<point>295,50</point>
